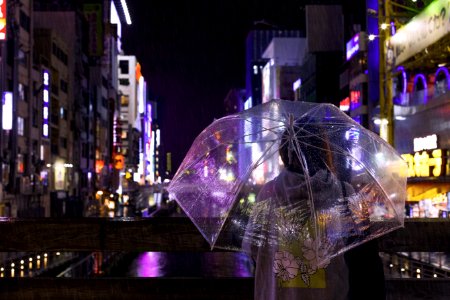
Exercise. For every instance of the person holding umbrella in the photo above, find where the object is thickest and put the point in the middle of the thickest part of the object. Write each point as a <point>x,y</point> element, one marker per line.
<point>284,270</point>
<point>326,185</point>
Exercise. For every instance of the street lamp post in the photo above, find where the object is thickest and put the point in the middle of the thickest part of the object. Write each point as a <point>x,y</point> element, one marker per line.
<point>386,100</point>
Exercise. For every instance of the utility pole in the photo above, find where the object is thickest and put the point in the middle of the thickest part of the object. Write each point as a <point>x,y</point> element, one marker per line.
<point>386,97</point>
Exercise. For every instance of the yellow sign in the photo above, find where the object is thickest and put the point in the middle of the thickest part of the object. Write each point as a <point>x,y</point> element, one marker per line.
<point>426,163</point>
<point>119,161</point>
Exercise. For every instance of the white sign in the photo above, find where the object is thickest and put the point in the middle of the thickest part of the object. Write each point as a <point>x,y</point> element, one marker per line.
<point>425,143</point>
<point>7,113</point>
<point>423,30</point>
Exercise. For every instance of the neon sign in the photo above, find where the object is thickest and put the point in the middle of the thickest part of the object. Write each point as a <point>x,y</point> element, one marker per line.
<point>353,46</point>
<point>45,102</point>
<point>344,105</point>
<point>425,143</point>
<point>7,112</point>
<point>2,20</point>
<point>427,163</point>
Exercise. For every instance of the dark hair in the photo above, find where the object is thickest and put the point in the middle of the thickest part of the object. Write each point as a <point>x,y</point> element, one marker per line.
<point>307,143</point>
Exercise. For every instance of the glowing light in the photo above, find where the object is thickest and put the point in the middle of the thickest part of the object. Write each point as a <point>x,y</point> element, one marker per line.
<point>7,110</point>
<point>384,26</point>
<point>22,262</point>
<point>111,205</point>
<point>2,269</point>
<point>13,265</point>
<point>125,11</point>
<point>57,253</point>
<point>372,37</point>
<point>251,198</point>
<point>418,270</point>
<point>296,85</point>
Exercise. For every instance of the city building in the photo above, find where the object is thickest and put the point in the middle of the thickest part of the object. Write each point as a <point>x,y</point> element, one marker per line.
<point>60,93</point>
<point>284,57</point>
<point>324,56</point>
<point>418,61</point>
<point>256,43</point>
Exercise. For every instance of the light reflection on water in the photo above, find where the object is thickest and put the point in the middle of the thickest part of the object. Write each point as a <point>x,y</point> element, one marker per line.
<point>213,264</point>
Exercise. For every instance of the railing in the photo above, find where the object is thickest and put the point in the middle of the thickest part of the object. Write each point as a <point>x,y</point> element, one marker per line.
<point>171,235</point>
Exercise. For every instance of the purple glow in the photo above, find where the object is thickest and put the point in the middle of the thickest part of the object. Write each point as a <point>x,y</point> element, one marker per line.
<point>424,82</point>
<point>7,110</point>
<point>402,69</point>
<point>352,46</point>
<point>45,102</point>
<point>148,264</point>
<point>447,75</point>
<point>393,30</point>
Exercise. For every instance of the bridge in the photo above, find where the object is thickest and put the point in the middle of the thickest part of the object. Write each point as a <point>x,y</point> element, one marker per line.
<point>165,234</point>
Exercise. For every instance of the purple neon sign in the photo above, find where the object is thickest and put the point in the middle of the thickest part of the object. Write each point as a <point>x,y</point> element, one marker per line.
<point>45,102</point>
<point>352,46</point>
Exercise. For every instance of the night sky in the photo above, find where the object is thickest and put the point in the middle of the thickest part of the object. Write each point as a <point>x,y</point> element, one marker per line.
<point>192,53</point>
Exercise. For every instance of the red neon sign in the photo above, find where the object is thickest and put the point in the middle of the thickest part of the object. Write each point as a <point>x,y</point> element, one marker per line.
<point>2,19</point>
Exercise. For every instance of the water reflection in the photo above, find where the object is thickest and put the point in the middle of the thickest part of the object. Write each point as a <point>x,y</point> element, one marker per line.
<point>416,265</point>
<point>213,264</point>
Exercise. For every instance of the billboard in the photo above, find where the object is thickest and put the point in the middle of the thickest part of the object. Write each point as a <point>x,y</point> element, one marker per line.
<point>2,20</point>
<point>425,29</point>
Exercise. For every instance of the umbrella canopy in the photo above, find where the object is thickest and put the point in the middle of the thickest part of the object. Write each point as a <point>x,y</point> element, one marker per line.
<point>291,175</point>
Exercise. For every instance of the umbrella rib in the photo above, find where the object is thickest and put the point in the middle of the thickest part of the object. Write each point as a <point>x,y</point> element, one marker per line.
<point>240,184</point>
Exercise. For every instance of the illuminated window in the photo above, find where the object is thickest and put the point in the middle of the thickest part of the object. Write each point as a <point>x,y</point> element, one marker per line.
<point>20,126</point>
<point>124,100</point>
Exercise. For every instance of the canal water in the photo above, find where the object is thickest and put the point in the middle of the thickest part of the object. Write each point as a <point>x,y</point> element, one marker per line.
<point>209,264</point>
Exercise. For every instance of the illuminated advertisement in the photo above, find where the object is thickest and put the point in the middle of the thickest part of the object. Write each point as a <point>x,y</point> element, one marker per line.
<point>266,88</point>
<point>2,20</point>
<point>45,102</point>
<point>7,110</point>
<point>352,46</point>
<point>356,44</point>
<point>344,105</point>
<point>427,163</point>
<point>425,29</point>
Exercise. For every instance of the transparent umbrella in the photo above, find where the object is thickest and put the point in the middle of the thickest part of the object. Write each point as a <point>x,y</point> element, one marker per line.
<point>290,175</point>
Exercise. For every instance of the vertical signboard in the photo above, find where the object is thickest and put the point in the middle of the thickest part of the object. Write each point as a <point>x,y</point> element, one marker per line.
<point>45,102</point>
<point>93,14</point>
<point>2,20</point>
<point>7,119</point>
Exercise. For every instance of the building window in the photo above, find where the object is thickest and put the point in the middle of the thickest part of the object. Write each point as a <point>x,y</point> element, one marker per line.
<point>63,85</point>
<point>124,67</point>
<point>124,81</point>
<point>63,113</point>
<point>35,117</point>
<point>59,53</point>
<point>124,100</point>
<point>63,143</point>
<point>20,126</point>
<point>23,92</point>
<point>24,21</point>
